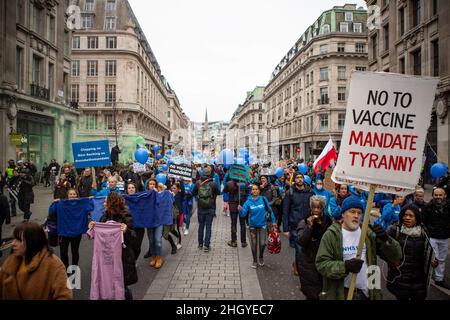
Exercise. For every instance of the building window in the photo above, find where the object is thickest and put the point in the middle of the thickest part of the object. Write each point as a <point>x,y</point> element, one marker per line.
<point>260,117</point>
<point>110,94</point>
<point>87,22</point>
<point>402,66</point>
<point>323,48</point>
<point>357,27</point>
<point>19,12</point>
<point>341,93</point>
<point>324,96</point>
<point>110,5</point>
<point>89,5</point>
<point>386,37</point>
<point>66,43</point>
<point>416,8</point>
<point>19,67</point>
<point>325,29</point>
<point>110,68</point>
<point>349,16</point>
<point>435,8</point>
<point>75,69</point>
<point>260,106</point>
<point>341,47</point>
<point>110,23</point>
<point>36,70</point>
<point>312,77</point>
<point>92,68</point>
<point>343,27</point>
<point>111,42</point>
<point>323,122</point>
<point>341,121</point>
<point>109,122</point>
<point>402,22</point>
<point>92,42</point>
<point>38,20</point>
<point>324,74</point>
<point>75,93</point>
<point>91,121</point>
<point>52,29</point>
<point>342,70</point>
<point>435,49</point>
<point>360,68</point>
<point>417,60</point>
<point>75,42</point>
<point>374,47</point>
<point>91,94</point>
<point>360,47</point>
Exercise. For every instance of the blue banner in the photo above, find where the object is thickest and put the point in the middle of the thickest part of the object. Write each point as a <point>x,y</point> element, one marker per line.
<point>91,154</point>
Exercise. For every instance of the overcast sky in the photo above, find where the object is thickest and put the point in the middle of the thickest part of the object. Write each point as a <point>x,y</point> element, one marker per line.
<point>213,51</point>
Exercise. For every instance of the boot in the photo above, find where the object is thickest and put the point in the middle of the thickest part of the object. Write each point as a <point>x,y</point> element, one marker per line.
<point>159,262</point>
<point>152,261</point>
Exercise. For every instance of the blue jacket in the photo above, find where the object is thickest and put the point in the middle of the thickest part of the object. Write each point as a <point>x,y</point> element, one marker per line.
<point>104,192</point>
<point>217,182</point>
<point>389,216</point>
<point>257,210</point>
<point>226,196</point>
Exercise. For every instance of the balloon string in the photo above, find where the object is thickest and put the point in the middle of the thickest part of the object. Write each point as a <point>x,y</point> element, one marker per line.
<point>431,148</point>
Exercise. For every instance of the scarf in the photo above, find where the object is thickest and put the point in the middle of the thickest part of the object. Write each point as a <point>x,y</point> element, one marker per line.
<point>411,232</point>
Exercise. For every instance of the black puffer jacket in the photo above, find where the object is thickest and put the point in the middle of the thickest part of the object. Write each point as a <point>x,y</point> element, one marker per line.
<point>129,253</point>
<point>411,280</point>
<point>437,220</point>
<point>309,240</point>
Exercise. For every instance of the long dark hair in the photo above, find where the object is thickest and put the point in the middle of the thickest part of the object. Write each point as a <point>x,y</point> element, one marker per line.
<point>34,237</point>
<point>115,206</point>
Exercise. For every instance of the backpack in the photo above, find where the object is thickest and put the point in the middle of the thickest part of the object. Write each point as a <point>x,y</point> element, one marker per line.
<point>205,195</point>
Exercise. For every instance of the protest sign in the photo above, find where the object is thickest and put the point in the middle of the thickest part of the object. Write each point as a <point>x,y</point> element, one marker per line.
<point>386,125</point>
<point>180,171</point>
<point>91,154</point>
<point>151,161</point>
<point>138,167</point>
<point>239,172</point>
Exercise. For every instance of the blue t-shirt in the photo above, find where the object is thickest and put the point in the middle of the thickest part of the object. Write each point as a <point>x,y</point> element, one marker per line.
<point>142,207</point>
<point>73,216</point>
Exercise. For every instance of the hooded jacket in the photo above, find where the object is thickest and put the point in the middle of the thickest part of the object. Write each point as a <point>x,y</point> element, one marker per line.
<point>295,207</point>
<point>330,261</point>
<point>257,209</point>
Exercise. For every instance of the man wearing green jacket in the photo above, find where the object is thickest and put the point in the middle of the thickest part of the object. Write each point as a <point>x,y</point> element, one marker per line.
<point>336,259</point>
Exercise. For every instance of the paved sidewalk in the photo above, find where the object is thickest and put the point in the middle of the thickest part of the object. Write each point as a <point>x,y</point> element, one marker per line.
<point>222,273</point>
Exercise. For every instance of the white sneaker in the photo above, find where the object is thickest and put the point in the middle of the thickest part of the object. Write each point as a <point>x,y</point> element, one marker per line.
<point>186,232</point>
<point>179,246</point>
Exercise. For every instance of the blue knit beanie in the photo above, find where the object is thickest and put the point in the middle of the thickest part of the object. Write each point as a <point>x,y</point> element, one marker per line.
<point>352,202</point>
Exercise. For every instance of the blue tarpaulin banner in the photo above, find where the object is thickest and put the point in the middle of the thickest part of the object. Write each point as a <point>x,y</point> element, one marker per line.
<point>91,154</point>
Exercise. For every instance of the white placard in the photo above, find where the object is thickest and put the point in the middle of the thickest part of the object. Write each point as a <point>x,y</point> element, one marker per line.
<point>386,125</point>
<point>138,167</point>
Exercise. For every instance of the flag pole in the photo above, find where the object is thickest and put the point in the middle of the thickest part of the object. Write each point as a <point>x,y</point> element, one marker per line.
<point>362,239</point>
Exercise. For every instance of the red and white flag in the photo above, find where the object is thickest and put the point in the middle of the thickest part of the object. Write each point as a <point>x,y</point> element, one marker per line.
<point>328,154</point>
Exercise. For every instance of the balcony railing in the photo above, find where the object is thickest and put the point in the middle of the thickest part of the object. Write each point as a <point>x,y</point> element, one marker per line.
<point>40,92</point>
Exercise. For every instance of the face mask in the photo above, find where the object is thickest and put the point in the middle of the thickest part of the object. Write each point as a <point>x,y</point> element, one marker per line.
<point>319,187</point>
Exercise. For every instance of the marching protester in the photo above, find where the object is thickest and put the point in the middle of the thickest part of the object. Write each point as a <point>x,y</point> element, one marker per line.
<point>71,219</point>
<point>178,192</point>
<point>295,209</point>
<point>418,199</point>
<point>236,198</point>
<point>110,187</point>
<point>61,187</point>
<point>408,279</point>
<point>154,234</point>
<point>269,191</point>
<point>207,192</point>
<point>336,202</point>
<point>391,212</point>
<point>25,193</point>
<point>310,232</point>
<point>259,211</point>
<point>165,209</point>
<point>32,271</point>
<point>188,203</point>
<point>336,258</point>
<point>85,183</point>
<point>46,175</point>
<point>13,183</point>
<point>117,211</point>
<point>319,190</point>
<point>436,218</point>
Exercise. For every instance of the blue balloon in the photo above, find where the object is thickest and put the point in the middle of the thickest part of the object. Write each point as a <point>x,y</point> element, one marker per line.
<point>170,161</point>
<point>165,167</point>
<point>438,170</point>
<point>303,168</point>
<point>155,148</point>
<point>240,161</point>
<point>158,156</point>
<point>279,172</point>
<point>170,152</point>
<point>307,180</point>
<point>141,155</point>
<point>226,157</point>
<point>243,152</point>
<point>161,178</point>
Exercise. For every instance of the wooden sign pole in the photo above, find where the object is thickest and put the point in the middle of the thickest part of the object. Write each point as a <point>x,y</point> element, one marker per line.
<point>365,227</point>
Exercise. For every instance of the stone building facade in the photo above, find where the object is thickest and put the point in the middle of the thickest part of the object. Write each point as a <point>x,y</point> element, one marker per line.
<point>37,120</point>
<point>307,95</point>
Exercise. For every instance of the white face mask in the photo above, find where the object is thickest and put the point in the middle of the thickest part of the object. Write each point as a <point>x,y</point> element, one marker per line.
<point>319,187</point>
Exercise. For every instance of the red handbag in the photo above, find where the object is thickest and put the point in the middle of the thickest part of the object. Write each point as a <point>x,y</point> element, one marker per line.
<point>274,241</point>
